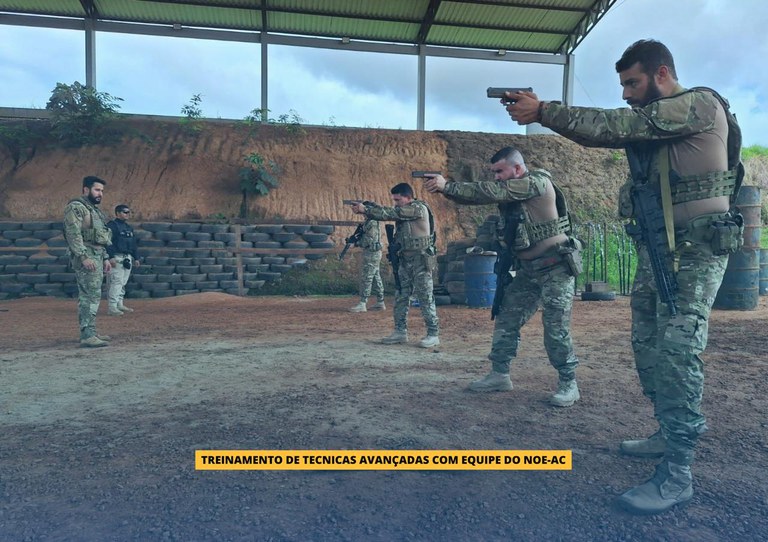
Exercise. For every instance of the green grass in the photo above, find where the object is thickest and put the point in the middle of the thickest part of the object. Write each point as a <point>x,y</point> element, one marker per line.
<point>328,276</point>
<point>753,151</point>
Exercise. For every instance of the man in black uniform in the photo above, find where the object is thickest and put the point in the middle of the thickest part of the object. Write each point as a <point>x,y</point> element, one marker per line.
<point>123,256</point>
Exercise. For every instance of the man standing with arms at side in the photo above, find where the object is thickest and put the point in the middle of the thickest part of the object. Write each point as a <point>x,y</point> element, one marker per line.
<point>123,255</point>
<point>87,238</point>
<point>533,236</point>
<point>685,146</point>
<point>370,273</point>
<point>415,238</point>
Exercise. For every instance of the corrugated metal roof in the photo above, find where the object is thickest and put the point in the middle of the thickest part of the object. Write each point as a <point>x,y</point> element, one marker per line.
<point>541,26</point>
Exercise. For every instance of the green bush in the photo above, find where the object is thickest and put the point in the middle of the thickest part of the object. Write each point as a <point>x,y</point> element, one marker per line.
<point>257,177</point>
<point>81,115</point>
<point>191,121</point>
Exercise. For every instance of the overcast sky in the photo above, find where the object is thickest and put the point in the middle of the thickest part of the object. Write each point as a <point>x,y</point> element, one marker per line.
<point>717,43</point>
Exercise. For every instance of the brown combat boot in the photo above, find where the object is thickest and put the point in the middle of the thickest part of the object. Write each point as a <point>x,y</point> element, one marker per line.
<point>92,342</point>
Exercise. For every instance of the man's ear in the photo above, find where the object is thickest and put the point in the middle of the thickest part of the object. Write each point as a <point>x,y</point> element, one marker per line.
<point>663,75</point>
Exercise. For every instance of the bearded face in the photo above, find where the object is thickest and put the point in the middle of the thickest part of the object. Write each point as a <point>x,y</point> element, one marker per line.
<point>94,193</point>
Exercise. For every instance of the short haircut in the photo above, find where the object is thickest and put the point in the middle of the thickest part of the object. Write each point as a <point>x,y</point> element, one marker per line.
<point>509,154</point>
<point>651,55</point>
<point>90,180</point>
<point>402,189</point>
<point>122,207</point>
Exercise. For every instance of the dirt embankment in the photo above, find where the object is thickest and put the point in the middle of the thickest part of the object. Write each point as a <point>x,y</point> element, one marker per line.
<point>167,172</point>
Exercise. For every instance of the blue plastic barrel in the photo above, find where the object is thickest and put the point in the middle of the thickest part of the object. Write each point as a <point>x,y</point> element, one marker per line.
<point>763,286</point>
<point>479,280</point>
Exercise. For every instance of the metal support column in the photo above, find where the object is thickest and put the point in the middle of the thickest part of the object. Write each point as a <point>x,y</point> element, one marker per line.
<point>264,78</point>
<point>90,53</point>
<point>568,74</point>
<point>421,90</point>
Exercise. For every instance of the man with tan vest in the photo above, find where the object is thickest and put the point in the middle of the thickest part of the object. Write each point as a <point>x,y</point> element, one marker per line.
<point>534,234</point>
<point>414,238</point>
<point>683,147</point>
<point>87,235</point>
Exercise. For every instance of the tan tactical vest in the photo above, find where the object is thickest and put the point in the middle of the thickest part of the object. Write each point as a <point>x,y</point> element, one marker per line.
<point>94,228</point>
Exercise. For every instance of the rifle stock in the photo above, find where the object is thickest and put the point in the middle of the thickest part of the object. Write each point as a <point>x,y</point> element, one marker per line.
<point>501,269</point>
<point>504,258</point>
<point>352,240</point>
<point>392,256</point>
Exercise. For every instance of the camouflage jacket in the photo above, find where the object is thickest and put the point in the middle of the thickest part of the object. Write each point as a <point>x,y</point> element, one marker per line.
<point>688,134</point>
<point>510,196</point>
<point>371,239</point>
<point>487,192</point>
<point>682,114</point>
<point>415,225</point>
<point>85,227</point>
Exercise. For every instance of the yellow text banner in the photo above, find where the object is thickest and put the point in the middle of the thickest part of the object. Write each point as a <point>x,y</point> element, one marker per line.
<point>383,460</point>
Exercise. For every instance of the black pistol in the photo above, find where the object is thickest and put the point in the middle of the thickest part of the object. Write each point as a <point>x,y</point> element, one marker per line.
<point>424,174</point>
<point>501,92</point>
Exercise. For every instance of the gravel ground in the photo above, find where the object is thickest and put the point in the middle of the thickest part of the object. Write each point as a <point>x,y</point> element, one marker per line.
<point>99,444</point>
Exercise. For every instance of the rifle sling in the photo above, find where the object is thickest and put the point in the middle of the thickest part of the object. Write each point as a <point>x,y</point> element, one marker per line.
<point>666,199</point>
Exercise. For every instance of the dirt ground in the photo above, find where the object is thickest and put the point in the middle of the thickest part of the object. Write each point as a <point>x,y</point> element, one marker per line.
<point>99,444</point>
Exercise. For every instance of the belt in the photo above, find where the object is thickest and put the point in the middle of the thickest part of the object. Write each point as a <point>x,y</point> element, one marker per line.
<point>539,264</point>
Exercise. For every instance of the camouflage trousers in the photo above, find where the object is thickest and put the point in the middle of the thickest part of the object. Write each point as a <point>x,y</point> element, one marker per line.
<point>370,276</point>
<point>667,348</point>
<point>416,280</point>
<point>88,292</point>
<point>552,288</point>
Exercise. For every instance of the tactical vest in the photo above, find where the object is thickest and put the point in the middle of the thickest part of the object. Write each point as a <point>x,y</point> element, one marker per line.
<point>715,183</point>
<point>529,233</point>
<point>410,242</point>
<point>98,233</point>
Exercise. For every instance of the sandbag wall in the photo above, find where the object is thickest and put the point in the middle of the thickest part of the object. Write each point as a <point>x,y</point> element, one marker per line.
<point>178,258</point>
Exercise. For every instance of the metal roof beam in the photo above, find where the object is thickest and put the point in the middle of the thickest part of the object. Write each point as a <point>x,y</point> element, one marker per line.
<point>485,54</point>
<point>523,5</point>
<point>38,21</point>
<point>279,39</point>
<point>429,18</point>
<point>202,3</point>
<point>90,9</point>
<point>590,19</point>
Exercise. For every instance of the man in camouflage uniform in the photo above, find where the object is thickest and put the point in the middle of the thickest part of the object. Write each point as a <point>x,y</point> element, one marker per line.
<point>534,230</point>
<point>87,237</point>
<point>370,273</point>
<point>688,141</point>
<point>415,239</point>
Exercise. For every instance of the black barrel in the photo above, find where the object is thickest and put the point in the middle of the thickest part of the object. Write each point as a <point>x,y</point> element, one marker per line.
<point>739,290</point>
<point>763,286</point>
